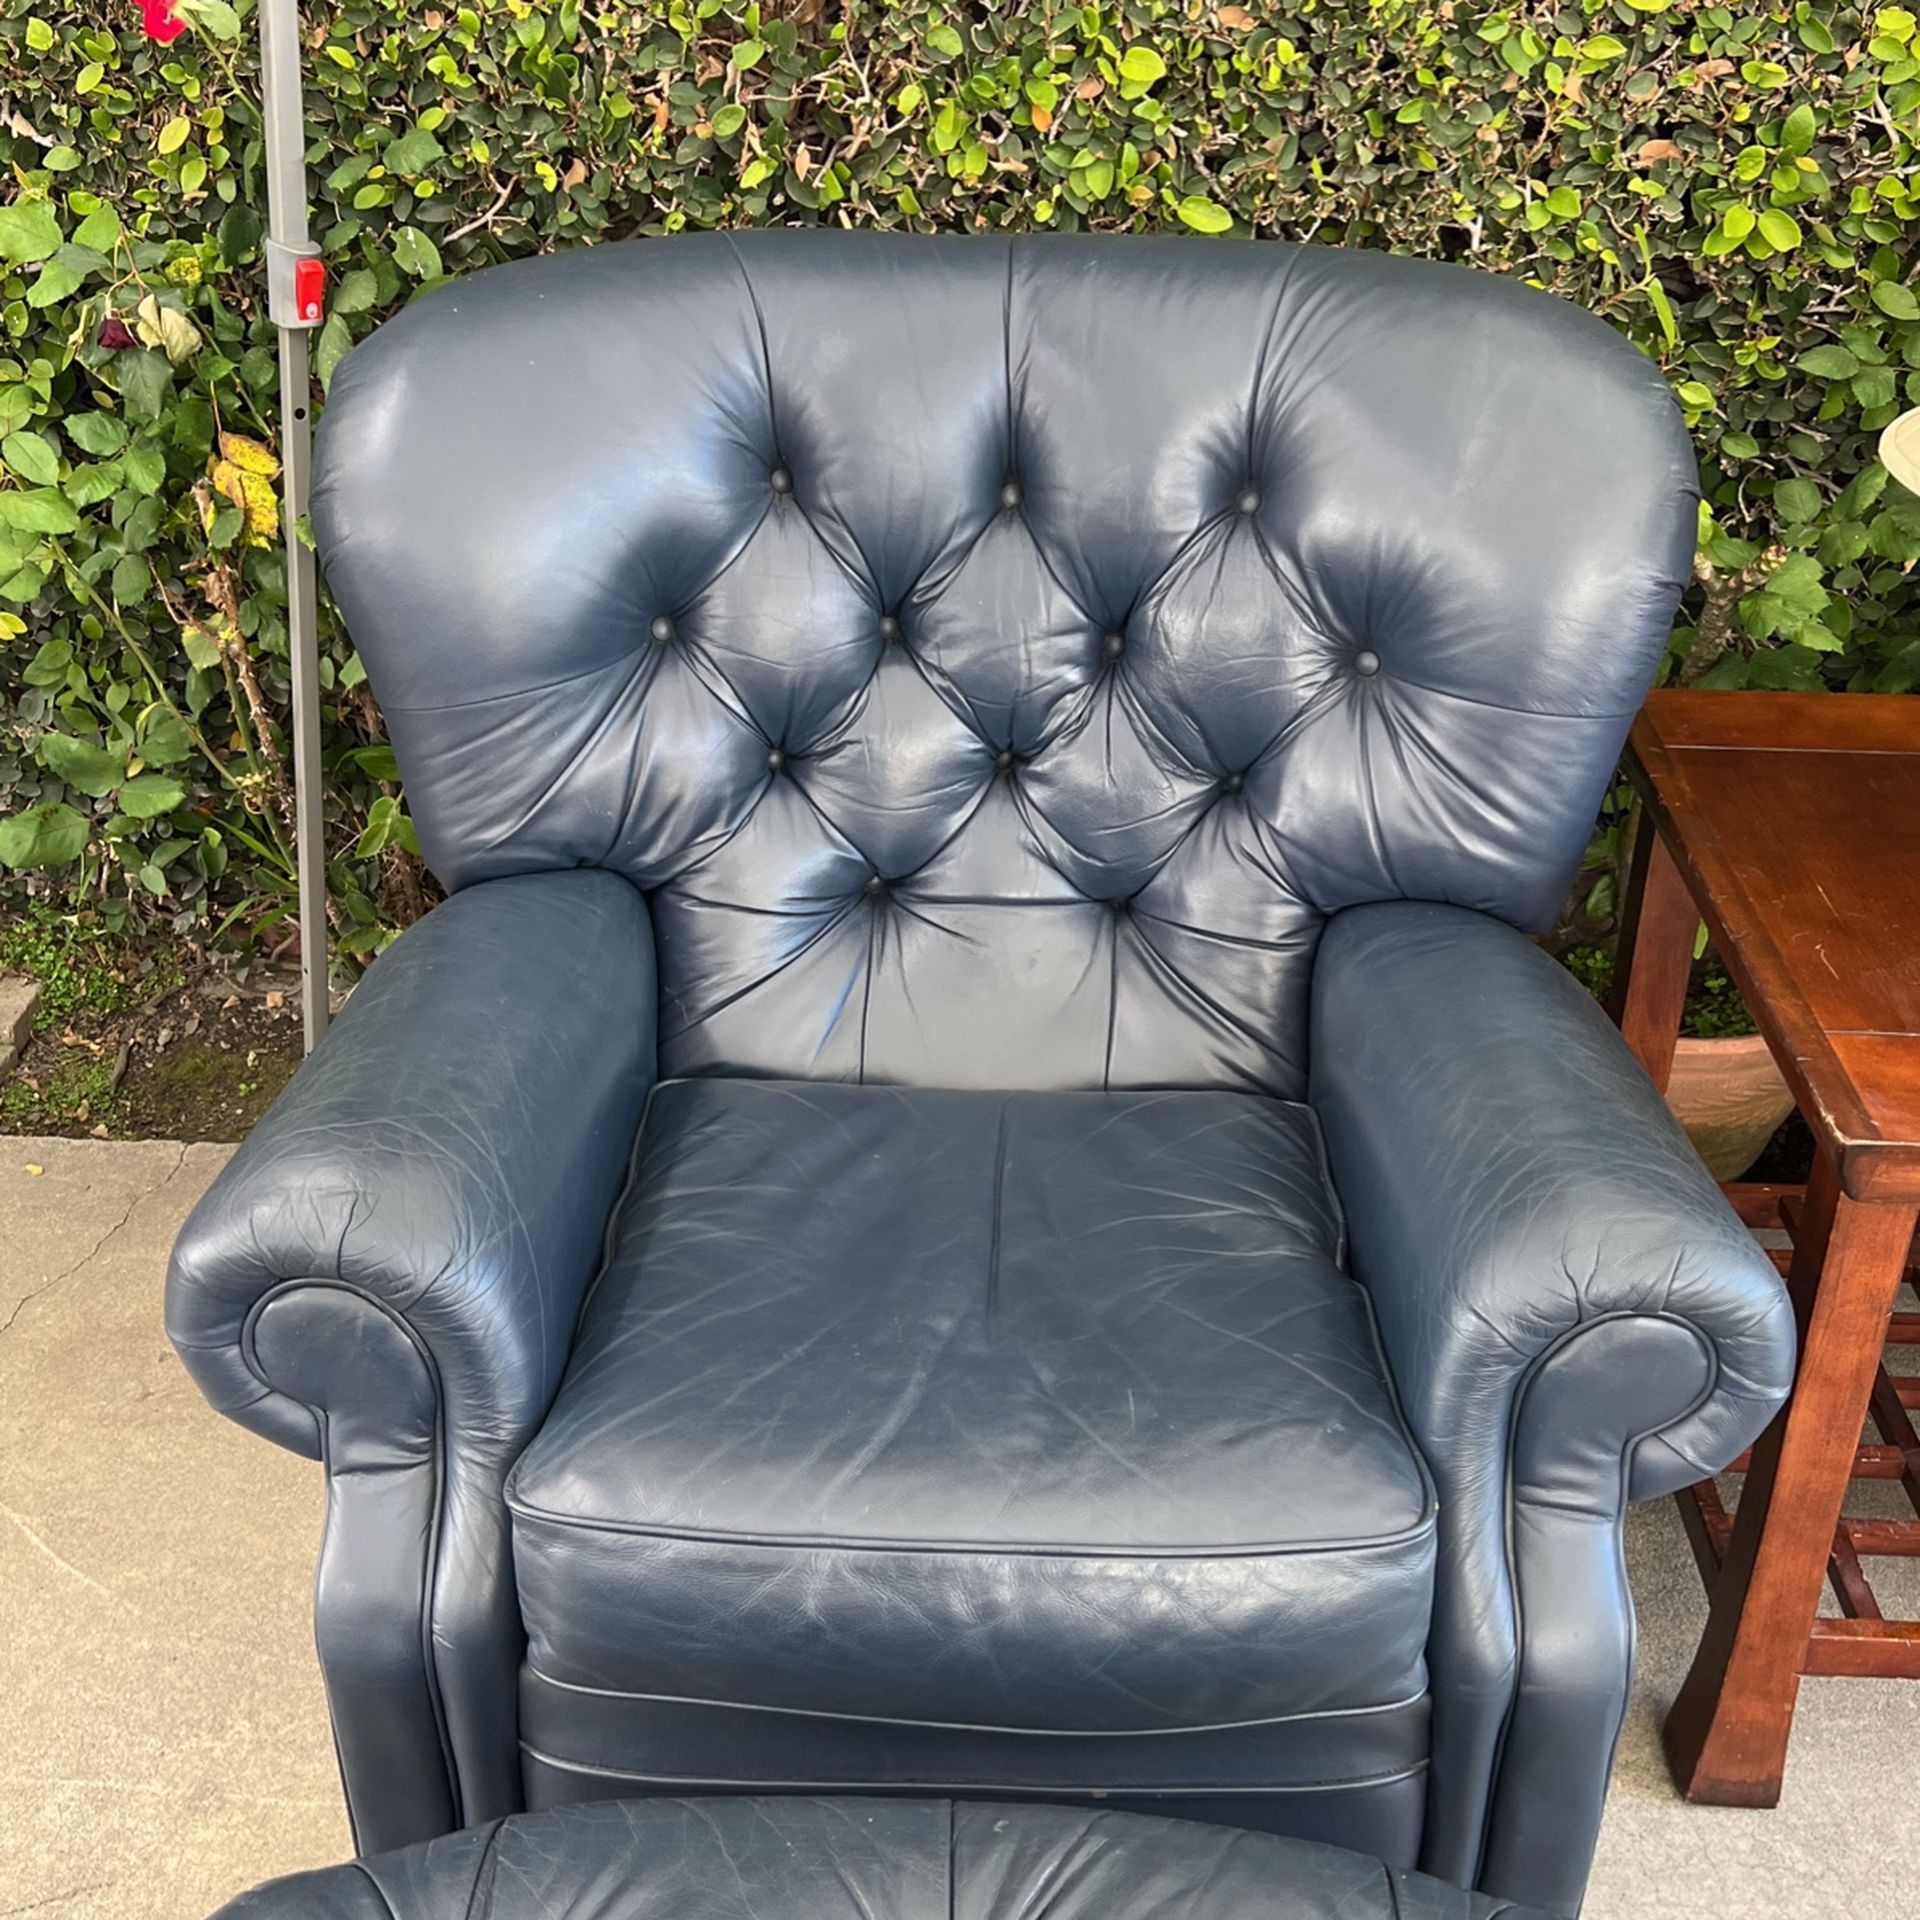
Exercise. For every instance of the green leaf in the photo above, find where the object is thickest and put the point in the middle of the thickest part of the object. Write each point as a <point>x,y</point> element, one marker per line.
<point>1874,387</point>
<point>80,763</point>
<point>49,835</point>
<point>1141,67</point>
<point>1896,300</point>
<point>1779,229</point>
<point>148,795</point>
<point>32,456</point>
<point>944,41</point>
<point>146,468</point>
<point>173,136</point>
<point>99,232</point>
<point>164,740</point>
<point>333,346</point>
<point>1830,363</point>
<point>1784,670</point>
<point>28,232</point>
<point>1796,500</point>
<point>132,580</point>
<point>146,381</point>
<point>37,510</point>
<point>96,432</point>
<point>53,283</point>
<point>749,53</point>
<point>1203,216</point>
<point>87,486</point>
<point>1662,311</point>
<point>1790,604</point>
<point>48,667</point>
<point>202,651</point>
<point>356,292</point>
<point>377,763</point>
<point>414,253</point>
<point>238,233</point>
<point>1796,131</point>
<point>414,152</point>
<point>219,19</point>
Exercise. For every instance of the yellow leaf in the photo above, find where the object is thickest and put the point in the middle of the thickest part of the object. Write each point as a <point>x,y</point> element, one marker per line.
<point>166,328</point>
<point>249,455</point>
<point>253,494</point>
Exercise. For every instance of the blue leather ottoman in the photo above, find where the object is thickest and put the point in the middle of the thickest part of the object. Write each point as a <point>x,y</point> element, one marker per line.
<point>765,1858</point>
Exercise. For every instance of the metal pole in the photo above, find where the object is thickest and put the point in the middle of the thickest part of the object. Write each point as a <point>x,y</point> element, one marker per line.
<point>295,281</point>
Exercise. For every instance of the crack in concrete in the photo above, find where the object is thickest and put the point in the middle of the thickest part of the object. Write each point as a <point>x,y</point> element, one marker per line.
<point>66,1893</point>
<point>66,1566</point>
<point>66,1273</point>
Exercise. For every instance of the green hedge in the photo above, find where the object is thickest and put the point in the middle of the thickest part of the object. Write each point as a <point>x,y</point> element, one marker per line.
<point>1732,186</point>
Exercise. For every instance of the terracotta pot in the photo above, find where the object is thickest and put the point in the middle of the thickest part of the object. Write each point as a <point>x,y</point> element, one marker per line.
<point>1730,1097</point>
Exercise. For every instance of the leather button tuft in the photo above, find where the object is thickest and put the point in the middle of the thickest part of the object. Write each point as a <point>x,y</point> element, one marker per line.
<point>1249,500</point>
<point>780,480</point>
<point>1115,644</point>
<point>1366,661</point>
<point>1119,906</point>
<point>776,760</point>
<point>889,628</point>
<point>1010,494</point>
<point>662,629</point>
<point>875,887</point>
<point>1003,761</point>
<point>1233,783</point>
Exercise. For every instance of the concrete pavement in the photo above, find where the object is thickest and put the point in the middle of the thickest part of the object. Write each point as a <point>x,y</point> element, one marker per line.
<point>163,1738</point>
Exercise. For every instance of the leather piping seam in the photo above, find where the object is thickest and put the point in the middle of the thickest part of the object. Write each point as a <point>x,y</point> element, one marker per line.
<point>1422,1529</point>
<point>1380,1707</point>
<point>484,1876</point>
<point>430,1670</point>
<point>1358,1782</point>
<point>1429,1488</point>
<point>1628,1447</point>
<point>379,1892</point>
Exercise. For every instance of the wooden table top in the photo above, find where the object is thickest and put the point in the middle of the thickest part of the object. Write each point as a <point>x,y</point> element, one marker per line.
<point>1795,818</point>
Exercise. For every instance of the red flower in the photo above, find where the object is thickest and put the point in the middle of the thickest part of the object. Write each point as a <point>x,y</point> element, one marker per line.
<point>115,334</point>
<point>161,22</point>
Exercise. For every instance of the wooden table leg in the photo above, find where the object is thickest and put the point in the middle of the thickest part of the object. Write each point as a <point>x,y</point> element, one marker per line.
<point>1658,922</point>
<point>1726,1737</point>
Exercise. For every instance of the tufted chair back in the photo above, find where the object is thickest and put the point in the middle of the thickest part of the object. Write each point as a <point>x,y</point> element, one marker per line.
<point>996,658</point>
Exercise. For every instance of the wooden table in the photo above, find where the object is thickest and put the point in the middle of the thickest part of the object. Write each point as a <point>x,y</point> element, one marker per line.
<point>1790,824</point>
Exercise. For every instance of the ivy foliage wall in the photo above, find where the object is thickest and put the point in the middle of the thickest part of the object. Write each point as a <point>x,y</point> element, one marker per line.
<point>1735,186</point>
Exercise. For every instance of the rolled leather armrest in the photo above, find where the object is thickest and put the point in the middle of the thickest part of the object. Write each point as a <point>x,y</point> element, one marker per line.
<point>1511,1177</point>
<point>386,1275</point>
<point>1573,1316</point>
<point>449,1155</point>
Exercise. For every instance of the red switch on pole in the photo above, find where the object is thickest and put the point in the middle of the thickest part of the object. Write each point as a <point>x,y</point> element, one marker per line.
<point>309,288</point>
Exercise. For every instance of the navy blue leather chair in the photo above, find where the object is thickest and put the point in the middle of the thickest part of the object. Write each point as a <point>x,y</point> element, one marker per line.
<point>978,1188</point>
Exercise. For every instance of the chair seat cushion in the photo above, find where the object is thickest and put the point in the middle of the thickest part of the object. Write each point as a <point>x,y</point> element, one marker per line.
<point>1048,1411</point>
<point>747,1858</point>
